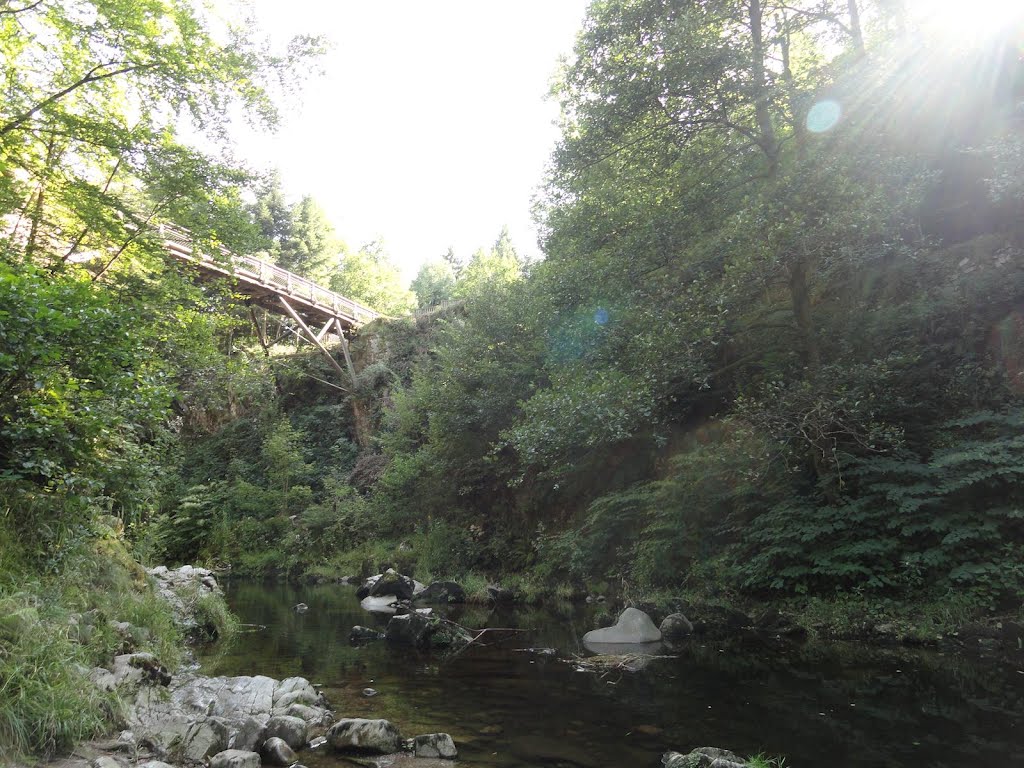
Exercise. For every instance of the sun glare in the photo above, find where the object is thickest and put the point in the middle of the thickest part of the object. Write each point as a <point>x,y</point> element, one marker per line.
<point>966,22</point>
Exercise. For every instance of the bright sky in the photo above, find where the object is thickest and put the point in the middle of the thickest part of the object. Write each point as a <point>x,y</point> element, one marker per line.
<point>430,127</point>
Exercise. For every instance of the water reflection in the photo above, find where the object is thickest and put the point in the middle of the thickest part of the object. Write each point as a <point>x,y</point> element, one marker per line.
<point>848,705</point>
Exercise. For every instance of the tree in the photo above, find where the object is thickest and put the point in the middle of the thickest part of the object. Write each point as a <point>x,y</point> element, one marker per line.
<point>434,283</point>
<point>311,248</point>
<point>93,127</point>
<point>489,269</point>
<point>369,276</point>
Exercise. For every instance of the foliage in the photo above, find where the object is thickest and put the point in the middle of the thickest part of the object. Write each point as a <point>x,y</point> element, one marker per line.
<point>369,276</point>
<point>951,522</point>
<point>434,283</point>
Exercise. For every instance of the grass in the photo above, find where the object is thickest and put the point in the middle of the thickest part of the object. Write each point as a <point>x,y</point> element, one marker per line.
<point>763,761</point>
<point>47,702</point>
<point>58,623</point>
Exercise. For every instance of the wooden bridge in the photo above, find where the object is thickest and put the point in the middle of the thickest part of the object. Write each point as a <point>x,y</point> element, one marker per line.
<point>277,290</point>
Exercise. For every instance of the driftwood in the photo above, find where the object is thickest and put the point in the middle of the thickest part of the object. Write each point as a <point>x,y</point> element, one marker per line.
<point>470,637</point>
<point>613,662</point>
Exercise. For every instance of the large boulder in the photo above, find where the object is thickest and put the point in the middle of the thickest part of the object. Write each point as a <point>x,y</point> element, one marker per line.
<point>703,757</point>
<point>435,745</point>
<point>413,629</point>
<point>235,758</point>
<point>442,592</point>
<point>633,626</point>
<point>366,735</point>
<point>676,626</point>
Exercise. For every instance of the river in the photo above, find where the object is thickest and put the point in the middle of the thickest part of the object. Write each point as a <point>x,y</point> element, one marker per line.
<point>815,704</point>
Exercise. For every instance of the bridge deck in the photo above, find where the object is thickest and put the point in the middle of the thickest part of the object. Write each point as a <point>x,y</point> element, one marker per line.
<point>266,284</point>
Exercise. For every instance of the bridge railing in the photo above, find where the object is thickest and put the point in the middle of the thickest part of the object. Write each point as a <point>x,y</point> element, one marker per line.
<point>179,241</point>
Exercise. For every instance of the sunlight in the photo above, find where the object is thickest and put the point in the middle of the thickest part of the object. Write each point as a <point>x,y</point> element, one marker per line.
<point>964,23</point>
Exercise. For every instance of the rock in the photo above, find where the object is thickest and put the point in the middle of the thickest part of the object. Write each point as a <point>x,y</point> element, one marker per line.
<point>435,745</point>
<point>181,588</point>
<point>276,751</point>
<point>312,715</point>
<point>361,634</point>
<point>369,692</point>
<point>393,583</point>
<point>301,608</point>
<point>499,594</point>
<point>410,629</point>
<point>633,626</point>
<point>703,757</point>
<point>134,669</point>
<point>104,761</point>
<point>442,592</point>
<point>292,730</point>
<point>154,764</point>
<point>307,696</point>
<point>235,758</point>
<point>774,622</point>
<point>384,604</point>
<point>676,626</point>
<point>203,738</point>
<point>368,735</point>
<point>249,733</point>
<point>717,621</point>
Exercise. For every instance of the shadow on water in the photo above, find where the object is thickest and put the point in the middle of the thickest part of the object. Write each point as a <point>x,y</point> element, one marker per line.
<point>841,703</point>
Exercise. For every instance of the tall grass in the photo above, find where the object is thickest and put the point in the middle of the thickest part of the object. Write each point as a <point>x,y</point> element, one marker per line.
<point>47,702</point>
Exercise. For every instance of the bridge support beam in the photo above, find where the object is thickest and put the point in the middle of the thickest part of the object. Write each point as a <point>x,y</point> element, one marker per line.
<point>312,336</point>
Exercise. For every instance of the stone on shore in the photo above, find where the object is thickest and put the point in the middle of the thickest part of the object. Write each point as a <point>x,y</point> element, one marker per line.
<point>368,735</point>
<point>676,626</point>
<point>442,592</point>
<point>235,758</point>
<point>703,757</point>
<point>435,745</point>
<point>292,730</point>
<point>276,751</point>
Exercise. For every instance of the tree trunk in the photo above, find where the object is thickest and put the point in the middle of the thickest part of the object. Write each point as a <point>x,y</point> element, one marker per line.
<point>856,34</point>
<point>800,295</point>
<point>767,141</point>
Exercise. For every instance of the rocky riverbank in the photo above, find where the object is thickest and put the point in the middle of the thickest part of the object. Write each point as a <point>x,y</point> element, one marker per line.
<point>189,719</point>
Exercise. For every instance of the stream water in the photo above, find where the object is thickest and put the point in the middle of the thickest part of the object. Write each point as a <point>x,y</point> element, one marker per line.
<point>834,705</point>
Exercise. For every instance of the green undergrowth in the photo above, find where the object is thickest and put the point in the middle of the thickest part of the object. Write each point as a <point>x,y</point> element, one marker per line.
<point>59,619</point>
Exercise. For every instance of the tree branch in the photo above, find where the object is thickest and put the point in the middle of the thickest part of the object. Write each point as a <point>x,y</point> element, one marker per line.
<point>93,75</point>
<point>15,11</point>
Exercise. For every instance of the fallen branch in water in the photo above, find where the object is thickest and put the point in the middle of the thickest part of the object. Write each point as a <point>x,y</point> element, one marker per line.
<point>612,662</point>
<point>472,636</point>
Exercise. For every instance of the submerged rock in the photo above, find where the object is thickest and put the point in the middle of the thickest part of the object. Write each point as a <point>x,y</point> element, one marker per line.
<point>435,745</point>
<point>633,626</point>
<point>360,634</point>
<point>367,735</point>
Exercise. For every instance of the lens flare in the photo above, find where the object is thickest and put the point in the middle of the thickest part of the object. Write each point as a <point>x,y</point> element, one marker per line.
<point>823,116</point>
